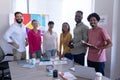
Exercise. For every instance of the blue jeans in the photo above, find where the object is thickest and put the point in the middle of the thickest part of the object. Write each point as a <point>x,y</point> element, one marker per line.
<point>99,66</point>
<point>69,56</point>
<point>51,53</point>
<point>79,58</point>
<point>38,54</point>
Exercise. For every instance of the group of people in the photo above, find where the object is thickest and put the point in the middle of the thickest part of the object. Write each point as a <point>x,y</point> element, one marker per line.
<point>73,48</point>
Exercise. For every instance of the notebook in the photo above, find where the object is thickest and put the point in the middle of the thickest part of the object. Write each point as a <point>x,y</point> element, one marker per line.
<point>85,72</point>
<point>44,59</point>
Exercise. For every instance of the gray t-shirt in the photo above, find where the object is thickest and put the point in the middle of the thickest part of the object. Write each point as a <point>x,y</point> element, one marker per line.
<point>80,33</point>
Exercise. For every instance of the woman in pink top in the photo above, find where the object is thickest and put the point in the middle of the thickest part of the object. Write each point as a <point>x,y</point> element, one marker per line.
<point>34,38</point>
<point>98,41</point>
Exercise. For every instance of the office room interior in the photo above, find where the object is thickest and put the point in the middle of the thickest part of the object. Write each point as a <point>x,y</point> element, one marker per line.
<point>61,11</point>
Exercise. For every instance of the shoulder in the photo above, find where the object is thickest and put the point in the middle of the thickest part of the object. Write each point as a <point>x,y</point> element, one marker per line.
<point>39,31</point>
<point>45,33</point>
<point>13,25</point>
<point>85,26</point>
<point>31,31</point>
<point>61,34</point>
<point>101,29</point>
<point>69,34</point>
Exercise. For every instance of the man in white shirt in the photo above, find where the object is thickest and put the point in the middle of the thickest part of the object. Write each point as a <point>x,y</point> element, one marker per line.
<point>50,41</point>
<point>17,37</point>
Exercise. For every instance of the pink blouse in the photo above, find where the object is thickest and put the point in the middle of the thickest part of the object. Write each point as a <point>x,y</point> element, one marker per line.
<point>34,40</point>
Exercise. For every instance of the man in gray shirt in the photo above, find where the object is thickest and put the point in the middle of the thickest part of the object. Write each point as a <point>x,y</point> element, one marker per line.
<point>80,33</point>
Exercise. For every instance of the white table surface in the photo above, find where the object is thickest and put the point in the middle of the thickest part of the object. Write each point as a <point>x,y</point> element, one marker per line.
<point>36,73</point>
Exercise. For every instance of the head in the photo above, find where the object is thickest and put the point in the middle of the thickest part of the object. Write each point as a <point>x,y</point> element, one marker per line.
<point>65,27</point>
<point>18,17</point>
<point>78,16</point>
<point>34,24</point>
<point>51,24</point>
<point>93,19</point>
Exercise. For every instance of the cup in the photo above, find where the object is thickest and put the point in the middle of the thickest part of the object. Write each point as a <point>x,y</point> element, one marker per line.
<point>33,61</point>
<point>55,73</point>
<point>98,76</point>
<point>70,63</point>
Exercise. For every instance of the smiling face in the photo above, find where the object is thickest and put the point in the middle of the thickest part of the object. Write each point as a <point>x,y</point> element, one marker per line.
<point>78,17</point>
<point>35,24</point>
<point>93,22</point>
<point>19,18</point>
<point>65,27</point>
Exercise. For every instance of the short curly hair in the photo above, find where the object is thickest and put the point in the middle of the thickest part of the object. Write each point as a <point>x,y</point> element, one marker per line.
<point>94,15</point>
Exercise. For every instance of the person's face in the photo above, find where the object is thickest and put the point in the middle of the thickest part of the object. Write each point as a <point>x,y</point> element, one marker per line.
<point>93,22</point>
<point>51,26</point>
<point>19,18</point>
<point>35,24</point>
<point>78,17</point>
<point>65,27</point>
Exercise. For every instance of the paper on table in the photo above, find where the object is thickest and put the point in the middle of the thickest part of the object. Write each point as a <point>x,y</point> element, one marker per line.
<point>67,76</point>
<point>46,63</point>
<point>28,66</point>
<point>72,69</point>
<point>85,43</point>
<point>60,62</point>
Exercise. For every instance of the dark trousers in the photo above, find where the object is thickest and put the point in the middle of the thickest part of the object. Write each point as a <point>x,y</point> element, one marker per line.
<point>79,58</point>
<point>69,56</point>
<point>99,66</point>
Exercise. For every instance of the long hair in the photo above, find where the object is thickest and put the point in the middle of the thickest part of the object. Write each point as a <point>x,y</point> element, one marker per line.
<point>68,27</point>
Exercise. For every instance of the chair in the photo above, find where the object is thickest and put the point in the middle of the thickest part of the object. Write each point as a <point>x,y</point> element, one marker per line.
<point>4,66</point>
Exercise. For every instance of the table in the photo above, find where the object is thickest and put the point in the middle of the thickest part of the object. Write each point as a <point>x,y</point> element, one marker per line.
<point>36,73</point>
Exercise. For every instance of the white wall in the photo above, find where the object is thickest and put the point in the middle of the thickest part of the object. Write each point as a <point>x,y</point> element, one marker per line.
<point>115,63</point>
<point>5,9</point>
<point>61,10</point>
<point>110,9</point>
<point>20,5</point>
<point>58,11</point>
<point>103,10</point>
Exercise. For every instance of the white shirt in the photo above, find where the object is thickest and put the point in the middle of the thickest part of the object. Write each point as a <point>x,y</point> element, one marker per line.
<point>16,33</point>
<point>50,41</point>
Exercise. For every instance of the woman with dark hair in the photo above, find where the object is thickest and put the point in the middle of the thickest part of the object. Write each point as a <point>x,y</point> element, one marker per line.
<point>98,41</point>
<point>65,38</point>
<point>34,39</point>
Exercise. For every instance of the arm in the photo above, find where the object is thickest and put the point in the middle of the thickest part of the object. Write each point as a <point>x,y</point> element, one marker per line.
<point>56,41</point>
<point>26,41</point>
<point>14,44</point>
<point>30,42</point>
<point>108,43</point>
<point>44,42</point>
<point>60,45</point>
<point>8,37</point>
<point>69,38</point>
<point>106,37</point>
<point>57,44</point>
<point>85,34</point>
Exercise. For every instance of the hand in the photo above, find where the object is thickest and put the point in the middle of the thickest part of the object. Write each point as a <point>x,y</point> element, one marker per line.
<point>44,55</point>
<point>33,55</point>
<point>61,56</point>
<point>26,43</point>
<point>58,53</point>
<point>86,44</point>
<point>71,44</point>
<point>16,45</point>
